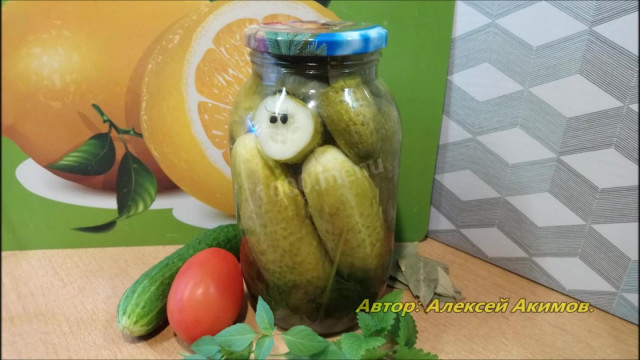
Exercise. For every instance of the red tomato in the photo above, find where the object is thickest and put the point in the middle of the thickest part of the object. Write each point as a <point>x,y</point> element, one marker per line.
<point>206,295</point>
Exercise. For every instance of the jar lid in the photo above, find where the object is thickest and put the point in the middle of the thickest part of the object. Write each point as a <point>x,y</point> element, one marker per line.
<point>315,38</point>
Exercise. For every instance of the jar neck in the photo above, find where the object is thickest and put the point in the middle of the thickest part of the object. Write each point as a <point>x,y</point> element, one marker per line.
<point>320,67</point>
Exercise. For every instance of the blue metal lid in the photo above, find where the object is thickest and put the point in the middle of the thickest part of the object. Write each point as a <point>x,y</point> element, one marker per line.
<point>315,38</point>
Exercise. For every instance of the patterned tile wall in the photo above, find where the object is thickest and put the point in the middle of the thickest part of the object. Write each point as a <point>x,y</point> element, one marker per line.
<point>537,168</point>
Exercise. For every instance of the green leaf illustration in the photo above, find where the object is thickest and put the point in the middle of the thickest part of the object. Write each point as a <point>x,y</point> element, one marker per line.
<point>236,337</point>
<point>102,228</point>
<point>313,50</point>
<point>136,186</point>
<point>294,43</point>
<point>95,156</point>
<point>272,43</point>
<point>286,43</point>
<point>264,345</point>
<point>303,341</point>
<point>264,317</point>
<point>136,189</point>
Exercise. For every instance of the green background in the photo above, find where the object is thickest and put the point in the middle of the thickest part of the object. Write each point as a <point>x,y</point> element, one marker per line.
<point>414,65</point>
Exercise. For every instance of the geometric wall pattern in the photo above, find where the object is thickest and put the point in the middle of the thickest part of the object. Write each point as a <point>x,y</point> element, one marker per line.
<point>537,167</point>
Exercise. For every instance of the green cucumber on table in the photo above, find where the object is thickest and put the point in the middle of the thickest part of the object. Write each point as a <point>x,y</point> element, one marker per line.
<point>142,308</point>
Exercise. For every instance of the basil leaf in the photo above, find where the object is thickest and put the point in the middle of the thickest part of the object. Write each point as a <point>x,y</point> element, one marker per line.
<point>236,337</point>
<point>206,346</point>
<point>95,156</point>
<point>243,354</point>
<point>264,345</point>
<point>332,352</point>
<point>136,186</point>
<point>303,341</point>
<point>354,345</point>
<point>264,317</point>
<point>206,340</point>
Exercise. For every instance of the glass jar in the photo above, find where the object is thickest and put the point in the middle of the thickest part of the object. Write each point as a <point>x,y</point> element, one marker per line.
<point>315,146</point>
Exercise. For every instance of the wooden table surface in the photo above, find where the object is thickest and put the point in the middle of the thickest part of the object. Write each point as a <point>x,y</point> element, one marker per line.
<point>61,304</point>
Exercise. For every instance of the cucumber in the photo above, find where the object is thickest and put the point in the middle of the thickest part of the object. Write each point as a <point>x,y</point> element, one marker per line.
<point>143,306</point>
<point>351,116</point>
<point>345,208</point>
<point>280,236</point>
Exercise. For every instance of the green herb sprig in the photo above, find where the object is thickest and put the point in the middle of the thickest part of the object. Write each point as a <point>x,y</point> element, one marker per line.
<point>383,335</point>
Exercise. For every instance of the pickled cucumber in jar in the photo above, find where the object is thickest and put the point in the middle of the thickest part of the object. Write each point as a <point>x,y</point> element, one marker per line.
<point>280,235</point>
<point>314,157</point>
<point>345,208</point>
<point>382,169</point>
<point>305,87</point>
<point>349,112</point>
<point>286,128</point>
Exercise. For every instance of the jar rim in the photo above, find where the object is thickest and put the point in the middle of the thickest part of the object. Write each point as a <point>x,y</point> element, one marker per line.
<point>315,38</point>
